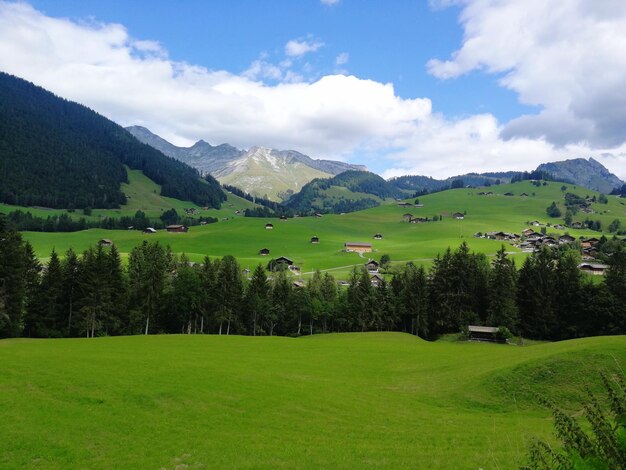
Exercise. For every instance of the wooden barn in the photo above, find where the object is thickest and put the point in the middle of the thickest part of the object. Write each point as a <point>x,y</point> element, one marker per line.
<point>264,251</point>
<point>484,333</point>
<point>269,226</point>
<point>176,228</point>
<point>315,239</point>
<point>357,247</point>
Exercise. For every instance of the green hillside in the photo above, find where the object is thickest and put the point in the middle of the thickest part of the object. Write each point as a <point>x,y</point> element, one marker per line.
<point>384,400</point>
<point>244,237</point>
<point>142,194</point>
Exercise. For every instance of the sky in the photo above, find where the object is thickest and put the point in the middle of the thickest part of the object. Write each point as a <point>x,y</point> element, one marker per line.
<point>438,88</point>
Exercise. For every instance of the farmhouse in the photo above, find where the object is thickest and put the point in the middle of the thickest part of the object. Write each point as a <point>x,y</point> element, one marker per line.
<point>378,236</point>
<point>407,217</point>
<point>176,228</point>
<point>357,247</point>
<point>484,333</point>
<point>269,226</point>
<point>283,217</point>
<point>372,266</point>
<point>404,204</point>
<point>527,232</point>
<point>458,215</point>
<point>376,280</point>
<point>264,251</point>
<point>509,194</point>
<point>315,239</point>
<point>524,195</point>
<point>294,269</point>
<point>594,269</point>
<point>149,230</point>
<point>298,284</point>
<point>566,239</point>
<point>105,242</point>
<point>283,260</point>
<point>317,214</point>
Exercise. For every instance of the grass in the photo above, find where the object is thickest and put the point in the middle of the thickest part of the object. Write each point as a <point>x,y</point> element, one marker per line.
<point>382,400</point>
<point>244,237</point>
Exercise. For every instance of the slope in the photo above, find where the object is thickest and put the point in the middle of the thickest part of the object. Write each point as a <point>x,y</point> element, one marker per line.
<point>60,154</point>
<point>383,400</point>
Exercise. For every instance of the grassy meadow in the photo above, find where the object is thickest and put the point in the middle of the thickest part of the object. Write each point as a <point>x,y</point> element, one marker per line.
<point>244,237</point>
<point>379,400</point>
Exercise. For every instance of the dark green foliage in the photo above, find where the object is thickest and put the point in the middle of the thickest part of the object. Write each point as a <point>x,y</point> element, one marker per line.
<point>553,210</point>
<point>603,199</point>
<point>59,154</point>
<point>502,292</point>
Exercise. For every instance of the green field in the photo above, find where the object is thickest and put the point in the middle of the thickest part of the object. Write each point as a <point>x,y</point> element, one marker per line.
<point>244,237</point>
<point>376,400</point>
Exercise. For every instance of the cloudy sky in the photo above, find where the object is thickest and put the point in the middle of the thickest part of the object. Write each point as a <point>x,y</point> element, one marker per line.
<point>405,87</point>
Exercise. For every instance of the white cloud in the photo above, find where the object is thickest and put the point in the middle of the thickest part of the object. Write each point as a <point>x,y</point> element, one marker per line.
<point>336,116</point>
<point>329,2</point>
<point>298,48</point>
<point>565,57</point>
<point>342,58</point>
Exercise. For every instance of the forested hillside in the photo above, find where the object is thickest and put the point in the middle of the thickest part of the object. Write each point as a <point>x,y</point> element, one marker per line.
<point>60,154</point>
<point>364,190</point>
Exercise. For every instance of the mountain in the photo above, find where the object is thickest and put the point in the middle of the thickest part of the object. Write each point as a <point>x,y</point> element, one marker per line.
<point>349,191</point>
<point>201,155</point>
<point>60,154</point>
<point>260,171</point>
<point>588,173</point>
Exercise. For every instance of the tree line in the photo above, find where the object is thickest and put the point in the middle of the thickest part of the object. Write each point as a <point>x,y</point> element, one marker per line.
<point>26,221</point>
<point>94,294</point>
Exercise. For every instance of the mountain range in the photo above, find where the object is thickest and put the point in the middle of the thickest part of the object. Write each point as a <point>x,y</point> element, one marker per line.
<point>260,171</point>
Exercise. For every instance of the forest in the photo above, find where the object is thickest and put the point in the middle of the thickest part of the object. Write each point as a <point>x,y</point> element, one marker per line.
<point>59,154</point>
<point>94,294</point>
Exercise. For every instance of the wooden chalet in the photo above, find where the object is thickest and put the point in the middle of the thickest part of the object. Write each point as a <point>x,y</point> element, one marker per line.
<point>283,217</point>
<point>269,226</point>
<point>527,232</point>
<point>372,266</point>
<point>283,260</point>
<point>264,251</point>
<point>524,195</point>
<point>105,242</point>
<point>407,217</point>
<point>315,239</point>
<point>298,284</point>
<point>566,239</point>
<point>376,280</point>
<point>294,269</point>
<point>149,230</point>
<point>484,333</point>
<point>595,269</point>
<point>176,228</point>
<point>404,204</point>
<point>458,215</point>
<point>357,247</point>
<point>377,236</point>
<point>509,194</point>
<point>317,214</point>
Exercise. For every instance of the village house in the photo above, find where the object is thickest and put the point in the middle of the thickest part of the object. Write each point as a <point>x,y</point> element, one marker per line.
<point>404,204</point>
<point>315,239</point>
<point>378,236</point>
<point>566,239</point>
<point>105,242</point>
<point>372,266</point>
<point>509,194</point>
<point>283,217</point>
<point>407,217</point>
<point>264,251</point>
<point>269,226</point>
<point>294,269</point>
<point>149,230</point>
<point>527,232</point>
<point>458,215</point>
<point>176,228</point>
<point>298,284</point>
<point>524,195</point>
<point>357,247</point>
<point>376,280</point>
<point>317,214</point>
<point>595,269</point>
<point>283,260</point>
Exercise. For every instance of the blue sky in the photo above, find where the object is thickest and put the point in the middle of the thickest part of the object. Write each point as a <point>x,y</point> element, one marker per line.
<point>437,87</point>
<point>386,41</point>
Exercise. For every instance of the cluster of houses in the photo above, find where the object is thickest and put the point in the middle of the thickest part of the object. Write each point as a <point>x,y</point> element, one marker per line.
<point>191,210</point>
<point>491,193</point>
